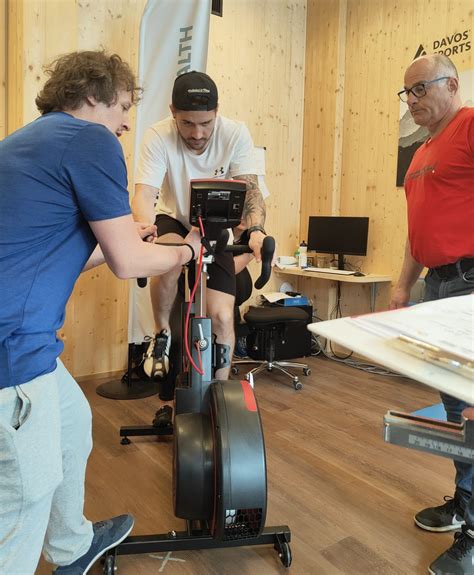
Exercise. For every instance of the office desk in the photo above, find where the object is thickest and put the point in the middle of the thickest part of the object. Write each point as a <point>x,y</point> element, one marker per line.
<point>372,279</point>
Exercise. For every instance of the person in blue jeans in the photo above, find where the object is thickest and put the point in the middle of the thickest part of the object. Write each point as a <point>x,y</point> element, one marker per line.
<point>64,208</point>
<point>440,203</point>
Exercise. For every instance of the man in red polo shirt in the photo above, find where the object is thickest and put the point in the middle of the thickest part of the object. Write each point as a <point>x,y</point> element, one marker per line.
<point>439,187</point>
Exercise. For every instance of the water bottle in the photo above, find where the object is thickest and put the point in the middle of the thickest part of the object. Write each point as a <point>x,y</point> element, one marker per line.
<point>297,255</point>
<point>303,255</point>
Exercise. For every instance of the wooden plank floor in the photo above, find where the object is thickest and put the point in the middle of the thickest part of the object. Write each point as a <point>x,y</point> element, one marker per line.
<point>348,497</point>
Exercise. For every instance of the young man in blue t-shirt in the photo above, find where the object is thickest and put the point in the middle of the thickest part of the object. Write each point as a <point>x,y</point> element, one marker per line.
<point>64,208</point>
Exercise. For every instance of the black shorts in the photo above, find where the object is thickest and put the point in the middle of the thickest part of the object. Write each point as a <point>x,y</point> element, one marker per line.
<point>221,272</point>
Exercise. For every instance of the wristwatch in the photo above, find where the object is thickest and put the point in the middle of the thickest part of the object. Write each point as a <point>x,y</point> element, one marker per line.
<point>257,228</point>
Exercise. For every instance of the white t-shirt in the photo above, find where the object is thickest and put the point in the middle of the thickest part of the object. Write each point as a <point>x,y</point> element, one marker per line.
<point>167,164</point>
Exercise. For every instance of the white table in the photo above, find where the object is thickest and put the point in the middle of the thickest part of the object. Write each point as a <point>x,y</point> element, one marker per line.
<point>373,347</point>
<point>439,438</point>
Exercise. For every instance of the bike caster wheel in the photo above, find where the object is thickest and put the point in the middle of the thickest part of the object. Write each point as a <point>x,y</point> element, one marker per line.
<point>125,441</point>
<point>297,385</point>
<point>284,553</point>
<point>306,371</point>
<point>109,565</point>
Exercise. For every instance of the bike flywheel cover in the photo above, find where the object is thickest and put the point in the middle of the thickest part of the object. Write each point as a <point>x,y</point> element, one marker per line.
<point>240,465</point>
<point>193,467</point>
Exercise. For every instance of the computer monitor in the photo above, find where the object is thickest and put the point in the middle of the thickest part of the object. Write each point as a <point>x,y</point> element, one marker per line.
<point>338,235</point>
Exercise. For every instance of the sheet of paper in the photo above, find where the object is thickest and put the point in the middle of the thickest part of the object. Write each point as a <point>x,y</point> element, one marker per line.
<point>272,297</point>
<point>446,323</point>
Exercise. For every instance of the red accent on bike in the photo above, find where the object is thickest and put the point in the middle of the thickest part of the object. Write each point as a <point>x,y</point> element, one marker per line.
<point>249,397</point>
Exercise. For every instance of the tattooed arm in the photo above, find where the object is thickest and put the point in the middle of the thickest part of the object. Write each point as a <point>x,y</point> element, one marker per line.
<point>253,213</point>
<point>254,208</point>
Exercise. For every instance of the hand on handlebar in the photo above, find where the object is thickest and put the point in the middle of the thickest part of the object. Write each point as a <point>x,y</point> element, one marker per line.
<point>146,231</point>
<point>255,244</point>
<point>267,258</point>
<point>194,239</point>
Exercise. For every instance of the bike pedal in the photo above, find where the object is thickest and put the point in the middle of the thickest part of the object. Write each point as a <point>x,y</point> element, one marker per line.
<point>163,417</point>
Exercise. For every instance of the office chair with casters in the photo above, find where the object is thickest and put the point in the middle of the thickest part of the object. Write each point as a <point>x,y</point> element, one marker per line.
<point>267,331</point>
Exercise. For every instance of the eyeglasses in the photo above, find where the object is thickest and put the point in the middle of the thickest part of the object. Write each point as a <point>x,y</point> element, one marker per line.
<point>418,90</point>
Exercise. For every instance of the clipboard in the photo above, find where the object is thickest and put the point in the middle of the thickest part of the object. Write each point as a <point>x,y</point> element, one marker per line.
<point>434,354</point>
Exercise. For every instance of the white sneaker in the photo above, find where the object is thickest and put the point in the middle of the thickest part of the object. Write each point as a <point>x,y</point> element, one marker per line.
<point>156,362</point>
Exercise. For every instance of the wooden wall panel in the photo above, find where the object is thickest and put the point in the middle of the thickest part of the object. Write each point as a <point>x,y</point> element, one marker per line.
<point>256,54</point>
<point>43,44</point>
<point>381,39</point>
<point>15,69</point>
<point>319,109</point>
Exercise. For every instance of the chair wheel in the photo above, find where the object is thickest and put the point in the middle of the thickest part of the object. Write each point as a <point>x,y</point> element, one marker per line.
<point>306,371</point>
<point>125,441</point>
<point>298,385</point>
<point>234,370</point>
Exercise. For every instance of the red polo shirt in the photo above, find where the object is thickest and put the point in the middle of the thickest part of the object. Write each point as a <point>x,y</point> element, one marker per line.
<point>439,187</point>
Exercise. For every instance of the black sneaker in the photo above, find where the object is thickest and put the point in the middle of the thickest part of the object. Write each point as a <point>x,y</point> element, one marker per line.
<point>446,517</point>
<point>107,534</point>
<point>156,362</point>
<point>458,559</point>
<point>240,348</point>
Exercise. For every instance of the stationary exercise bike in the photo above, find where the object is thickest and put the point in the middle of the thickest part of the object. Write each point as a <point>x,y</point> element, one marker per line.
<point>219,465</point>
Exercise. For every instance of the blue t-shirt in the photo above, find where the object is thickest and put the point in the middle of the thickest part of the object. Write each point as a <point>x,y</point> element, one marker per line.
<point>56,174</point>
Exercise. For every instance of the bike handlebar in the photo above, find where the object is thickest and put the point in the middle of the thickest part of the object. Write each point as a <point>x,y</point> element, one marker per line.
<point>268,249</point>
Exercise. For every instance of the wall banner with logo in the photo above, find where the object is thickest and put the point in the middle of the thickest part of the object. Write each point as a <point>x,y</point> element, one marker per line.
<point>173,40</point>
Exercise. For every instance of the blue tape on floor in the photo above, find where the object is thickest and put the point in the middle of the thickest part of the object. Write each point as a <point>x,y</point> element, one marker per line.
<point>433,411</point>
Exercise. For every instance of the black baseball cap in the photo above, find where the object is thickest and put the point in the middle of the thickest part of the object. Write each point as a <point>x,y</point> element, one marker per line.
<point>194,91</point>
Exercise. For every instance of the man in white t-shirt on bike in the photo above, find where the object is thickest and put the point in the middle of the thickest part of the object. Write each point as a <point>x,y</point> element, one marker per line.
<point>194,143</point>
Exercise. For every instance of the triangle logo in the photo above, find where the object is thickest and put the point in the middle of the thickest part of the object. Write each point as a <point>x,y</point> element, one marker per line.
<point>420,52</point>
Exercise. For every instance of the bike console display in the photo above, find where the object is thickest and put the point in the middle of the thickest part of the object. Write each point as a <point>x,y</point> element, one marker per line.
<point>219,203</point>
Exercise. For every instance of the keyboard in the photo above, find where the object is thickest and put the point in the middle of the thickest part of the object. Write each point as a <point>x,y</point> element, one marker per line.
<point>330,271</point>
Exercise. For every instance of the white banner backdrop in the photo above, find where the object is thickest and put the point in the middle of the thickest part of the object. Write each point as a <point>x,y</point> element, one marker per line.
<point>173,39</point>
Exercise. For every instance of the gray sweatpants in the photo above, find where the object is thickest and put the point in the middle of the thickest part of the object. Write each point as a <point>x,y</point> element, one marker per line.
<point>45,440</point>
